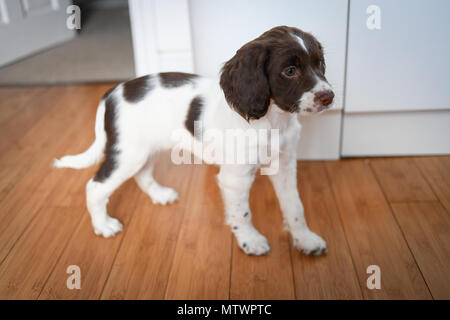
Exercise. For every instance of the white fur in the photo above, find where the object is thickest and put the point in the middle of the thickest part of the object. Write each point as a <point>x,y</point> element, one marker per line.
<point>95,152</point>
<point>302,43</point>
<point>147,126</point>
<point>306,102</point>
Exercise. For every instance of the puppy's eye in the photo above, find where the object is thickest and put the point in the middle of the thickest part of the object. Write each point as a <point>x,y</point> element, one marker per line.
<point>290,72</point>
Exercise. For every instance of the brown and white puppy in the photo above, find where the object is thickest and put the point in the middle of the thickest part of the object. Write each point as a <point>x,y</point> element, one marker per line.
<point>263,87</point>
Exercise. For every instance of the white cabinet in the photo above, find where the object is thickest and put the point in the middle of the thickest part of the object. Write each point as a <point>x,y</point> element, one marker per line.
<point>397,85</point>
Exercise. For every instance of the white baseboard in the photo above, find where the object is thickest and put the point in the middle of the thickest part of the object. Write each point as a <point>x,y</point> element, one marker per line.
<point>396,133</point>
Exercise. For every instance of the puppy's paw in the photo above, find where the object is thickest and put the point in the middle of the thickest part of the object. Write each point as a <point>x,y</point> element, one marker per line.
<point>163,195</point>
<point>310,243</point>
<point>252,242</point>
<point>108,228</point>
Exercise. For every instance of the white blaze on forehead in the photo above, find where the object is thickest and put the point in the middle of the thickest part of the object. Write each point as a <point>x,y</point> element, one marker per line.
<point>300,40</point>
<point>321,86</point>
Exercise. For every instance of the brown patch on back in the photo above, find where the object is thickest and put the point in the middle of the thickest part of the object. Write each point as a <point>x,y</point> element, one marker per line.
<point>110,162</point>
<point>194,112</point>
<point>136,89</point>
<point>176,79</point>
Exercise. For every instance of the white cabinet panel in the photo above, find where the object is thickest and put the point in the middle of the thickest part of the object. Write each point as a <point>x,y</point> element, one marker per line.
<point>405,64</point>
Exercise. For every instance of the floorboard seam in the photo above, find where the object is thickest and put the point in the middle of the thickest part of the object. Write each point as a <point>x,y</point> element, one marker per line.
<point>343,230</point>
<point>400,228</point>
<point>177,238</point>
<point>60,255</point>
<point>429,184</point>
<point>125,232</point>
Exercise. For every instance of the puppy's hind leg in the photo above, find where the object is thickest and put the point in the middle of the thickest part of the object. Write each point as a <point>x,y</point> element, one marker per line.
<point>158,193</point>
<point>110,176</point>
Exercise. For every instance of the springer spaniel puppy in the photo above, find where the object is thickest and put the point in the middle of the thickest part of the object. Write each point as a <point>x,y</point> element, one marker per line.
<point>268,82</point>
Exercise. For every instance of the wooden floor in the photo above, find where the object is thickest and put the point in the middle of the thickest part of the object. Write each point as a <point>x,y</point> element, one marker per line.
<point>390,212</point>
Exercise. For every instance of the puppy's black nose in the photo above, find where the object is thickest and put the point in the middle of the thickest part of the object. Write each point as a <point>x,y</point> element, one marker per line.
<point>325,98</point>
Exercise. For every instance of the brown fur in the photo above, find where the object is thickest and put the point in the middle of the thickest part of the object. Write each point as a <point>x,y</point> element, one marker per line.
<point>195,109</point>
<point>176,79</point>
<point>110,162</point>
<point>135,90</point>
<point>255,75</point>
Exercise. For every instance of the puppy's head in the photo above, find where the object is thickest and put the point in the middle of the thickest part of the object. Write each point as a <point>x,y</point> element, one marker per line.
<point>285,65</point>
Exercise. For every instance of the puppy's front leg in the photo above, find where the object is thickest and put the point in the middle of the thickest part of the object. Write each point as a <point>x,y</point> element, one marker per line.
<point>285,184</point>
<point>235,182</point>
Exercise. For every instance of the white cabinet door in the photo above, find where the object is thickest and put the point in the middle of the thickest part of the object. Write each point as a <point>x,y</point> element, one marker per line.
<point>28,26</point>
<point>397,91</point>
<point>405,64</point>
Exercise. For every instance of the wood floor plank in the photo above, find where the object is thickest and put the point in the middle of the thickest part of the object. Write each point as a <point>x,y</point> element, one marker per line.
<point>9,93</point>
<point>40,179</point>
<point>373,235</point>
<point>16,101</point>
<point>56,203</point>
<point>72,105</point>
<point>29,263</point>
<point>401,180</point>
<point>9,175</point>
<point>93,254</point>
<point>332,276</point>
<point>49,191</point>
<point>23,273</point>
<point>33,111</point>
<point>270,276</point>
<point>437,172</point>
<point>141,268</point>
<point>16,212</point>
<point>426,226</point>
<point>201,265</point>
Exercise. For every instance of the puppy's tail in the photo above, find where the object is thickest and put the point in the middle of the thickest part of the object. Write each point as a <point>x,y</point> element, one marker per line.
<point>95,152</point>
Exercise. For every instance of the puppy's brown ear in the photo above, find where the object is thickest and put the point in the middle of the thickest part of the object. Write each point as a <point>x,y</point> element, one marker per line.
<point>244,81</point>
